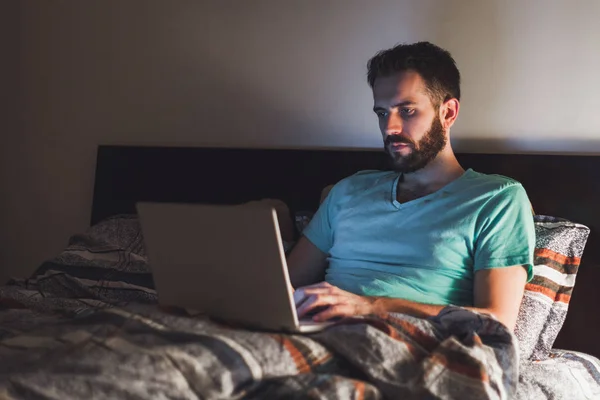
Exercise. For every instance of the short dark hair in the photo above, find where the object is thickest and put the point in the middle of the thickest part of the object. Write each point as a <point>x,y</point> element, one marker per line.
<point>435,65</point>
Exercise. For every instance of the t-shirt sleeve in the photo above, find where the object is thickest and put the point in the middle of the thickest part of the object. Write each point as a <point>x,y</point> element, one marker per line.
<point>320,230</point>
<point>506,231</point>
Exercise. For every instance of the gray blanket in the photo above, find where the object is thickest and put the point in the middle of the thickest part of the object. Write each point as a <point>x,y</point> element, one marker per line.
<point>86,325</point>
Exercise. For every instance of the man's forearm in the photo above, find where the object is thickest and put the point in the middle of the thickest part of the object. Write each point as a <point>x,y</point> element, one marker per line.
<point>382,305</point>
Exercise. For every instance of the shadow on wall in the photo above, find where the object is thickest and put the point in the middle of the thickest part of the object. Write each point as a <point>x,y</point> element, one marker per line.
<point>297,75</point>
<point>250,86</point>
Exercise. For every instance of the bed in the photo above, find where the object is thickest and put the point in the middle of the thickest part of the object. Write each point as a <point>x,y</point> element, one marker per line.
<point>86,322</point>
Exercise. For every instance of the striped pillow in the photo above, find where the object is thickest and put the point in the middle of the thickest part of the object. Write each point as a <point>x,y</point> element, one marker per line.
<point>558,251</point>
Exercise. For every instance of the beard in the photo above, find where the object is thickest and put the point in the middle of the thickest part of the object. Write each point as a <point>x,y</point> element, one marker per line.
<point>423,152</point>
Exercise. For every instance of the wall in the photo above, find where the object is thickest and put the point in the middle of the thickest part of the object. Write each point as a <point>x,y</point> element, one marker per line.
<point>271,73</point>
<point>11,188</point>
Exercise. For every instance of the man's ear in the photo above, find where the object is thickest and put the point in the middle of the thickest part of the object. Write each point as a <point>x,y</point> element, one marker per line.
<point>449,112</point>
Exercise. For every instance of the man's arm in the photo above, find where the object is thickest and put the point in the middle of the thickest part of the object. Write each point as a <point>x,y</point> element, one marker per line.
<point>500,291</point>
<point>497,291</point>
<point>306,263</point>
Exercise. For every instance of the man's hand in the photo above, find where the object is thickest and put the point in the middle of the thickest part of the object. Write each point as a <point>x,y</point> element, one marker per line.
<point>333,301</point>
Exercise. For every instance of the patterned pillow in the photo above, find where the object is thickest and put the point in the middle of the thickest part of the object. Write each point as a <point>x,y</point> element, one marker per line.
<point>558,251</point>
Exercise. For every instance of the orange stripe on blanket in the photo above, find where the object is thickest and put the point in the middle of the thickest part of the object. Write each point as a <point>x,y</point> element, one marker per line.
<point>460,368</point>
<point>560,297</point>
<point>359,388</point>
<point>322,360</point>
<point>301,363</point>
<point>559,258</point>
<point>423,339</point>
<point>417,335</point>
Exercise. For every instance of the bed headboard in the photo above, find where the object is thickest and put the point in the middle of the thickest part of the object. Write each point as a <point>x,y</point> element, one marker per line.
<point>563,186</point>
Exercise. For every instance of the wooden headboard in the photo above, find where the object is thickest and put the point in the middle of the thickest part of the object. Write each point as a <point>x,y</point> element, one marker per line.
<point>562,186</point>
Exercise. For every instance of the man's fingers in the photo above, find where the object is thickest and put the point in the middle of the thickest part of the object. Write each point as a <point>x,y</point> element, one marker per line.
<point>299,297</point>
<point>314,301</point>
<point>322,294</point>
<point>339,310</point>
<point>303,293</point>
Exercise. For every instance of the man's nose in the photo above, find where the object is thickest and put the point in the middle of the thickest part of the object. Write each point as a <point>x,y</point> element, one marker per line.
<point>393,125</point>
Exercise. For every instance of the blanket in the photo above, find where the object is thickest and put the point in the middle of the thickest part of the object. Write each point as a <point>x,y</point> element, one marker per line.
<point>86,324</point>
<point>142,352</point>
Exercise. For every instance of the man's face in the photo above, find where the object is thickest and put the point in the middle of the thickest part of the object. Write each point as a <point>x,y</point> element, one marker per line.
<point>413,135</point>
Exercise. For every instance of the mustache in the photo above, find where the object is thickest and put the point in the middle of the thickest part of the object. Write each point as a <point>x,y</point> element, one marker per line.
<point>397,139</point>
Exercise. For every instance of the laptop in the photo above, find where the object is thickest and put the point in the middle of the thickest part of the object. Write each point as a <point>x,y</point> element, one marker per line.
<point>224,261</point>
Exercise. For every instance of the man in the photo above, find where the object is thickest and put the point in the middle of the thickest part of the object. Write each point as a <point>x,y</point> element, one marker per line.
<point>427,234</point>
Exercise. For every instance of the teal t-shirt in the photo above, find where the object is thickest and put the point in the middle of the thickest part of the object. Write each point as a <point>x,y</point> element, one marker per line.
<point>426,250</point>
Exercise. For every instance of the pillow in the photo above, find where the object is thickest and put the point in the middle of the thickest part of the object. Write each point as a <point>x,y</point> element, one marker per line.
<point>558,250</point>
<point>107,263</point>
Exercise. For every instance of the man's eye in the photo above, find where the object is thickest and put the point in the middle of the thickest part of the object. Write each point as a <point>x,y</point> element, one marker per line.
<point>382,114</point>
<point>407,111</point>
